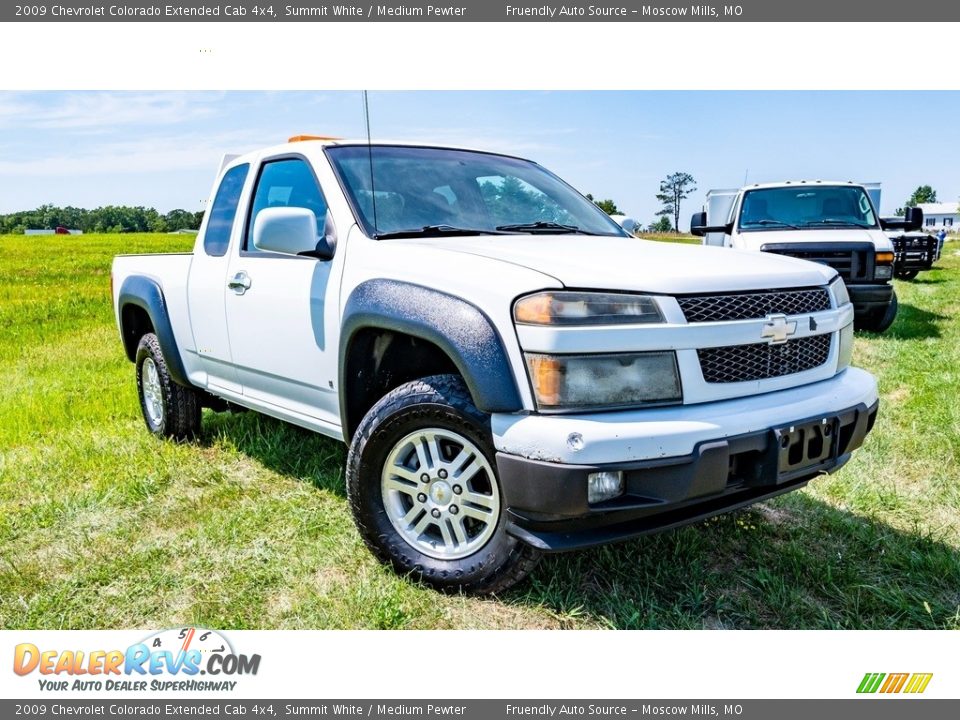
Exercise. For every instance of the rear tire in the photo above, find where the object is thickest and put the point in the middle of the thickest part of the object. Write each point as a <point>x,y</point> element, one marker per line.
<point>169,410</point>
<point>880,320</point>
<point>423,488</point>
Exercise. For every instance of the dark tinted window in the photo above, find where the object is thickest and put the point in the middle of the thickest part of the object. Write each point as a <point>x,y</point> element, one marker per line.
<point>806,206</point>
<point>286,183</point>
<point>217,236</point>
<point>413,187</point>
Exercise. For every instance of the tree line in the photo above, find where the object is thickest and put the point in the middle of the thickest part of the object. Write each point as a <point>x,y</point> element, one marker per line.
<point>106,219</point>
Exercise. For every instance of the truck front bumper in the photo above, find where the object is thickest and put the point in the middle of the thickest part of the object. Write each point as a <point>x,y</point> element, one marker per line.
<point>679,464</point>
<point>867,298</point>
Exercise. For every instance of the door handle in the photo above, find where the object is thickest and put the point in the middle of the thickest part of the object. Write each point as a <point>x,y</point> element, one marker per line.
<point>239,283</point>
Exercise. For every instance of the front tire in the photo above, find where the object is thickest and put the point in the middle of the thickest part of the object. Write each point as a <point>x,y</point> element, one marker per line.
<point>906,274</point>
<point>881,320</point>
<point>169,410</point>
<point>423,487</point>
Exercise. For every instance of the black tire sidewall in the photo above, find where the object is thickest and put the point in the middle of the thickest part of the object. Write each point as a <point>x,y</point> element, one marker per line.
<point>149,347</point>
<point>887,317</point>
<point>370,454</point>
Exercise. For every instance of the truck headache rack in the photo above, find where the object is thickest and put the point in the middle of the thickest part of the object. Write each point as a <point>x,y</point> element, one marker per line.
<point>914,253</point>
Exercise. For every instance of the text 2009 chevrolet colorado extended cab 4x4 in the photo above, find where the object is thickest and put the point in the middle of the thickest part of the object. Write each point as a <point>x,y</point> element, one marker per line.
<point>513,373</point>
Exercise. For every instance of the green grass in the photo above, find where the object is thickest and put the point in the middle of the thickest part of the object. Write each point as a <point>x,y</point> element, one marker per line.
<point>103,526</point>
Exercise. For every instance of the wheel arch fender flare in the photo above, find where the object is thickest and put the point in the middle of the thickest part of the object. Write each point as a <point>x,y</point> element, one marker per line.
<point>460,329</point>
<point>145,293</point>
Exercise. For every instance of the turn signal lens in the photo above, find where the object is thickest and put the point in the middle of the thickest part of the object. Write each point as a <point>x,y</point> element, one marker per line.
<point>885,258</point>
<point>845,351</point>
<point>546,373</point>
<point>583,308</point>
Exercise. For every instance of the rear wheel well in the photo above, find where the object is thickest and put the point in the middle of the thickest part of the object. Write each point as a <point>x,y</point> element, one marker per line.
<point>135,322</point>
<point>380,360</point>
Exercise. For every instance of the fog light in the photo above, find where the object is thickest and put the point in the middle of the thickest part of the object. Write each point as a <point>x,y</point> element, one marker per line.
<point>604,486</point>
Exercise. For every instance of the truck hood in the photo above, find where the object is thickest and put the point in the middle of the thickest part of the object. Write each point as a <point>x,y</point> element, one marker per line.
<point>754,240</point>
<point>613,263</point>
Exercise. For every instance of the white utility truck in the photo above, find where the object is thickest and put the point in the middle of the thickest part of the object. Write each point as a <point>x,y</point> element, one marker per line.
<point>833,223</point>
<point>513,373</point>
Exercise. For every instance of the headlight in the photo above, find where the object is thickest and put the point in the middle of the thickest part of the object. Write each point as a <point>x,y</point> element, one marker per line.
<point>839,290</point>
<point>883,272</point>
<point>563,382</point>
<point>883,268</point>
<point>845,354</point>
<point>583,308</point>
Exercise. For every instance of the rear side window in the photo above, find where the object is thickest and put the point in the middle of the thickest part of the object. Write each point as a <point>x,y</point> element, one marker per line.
<point>286,183</point>
<point>224,210</point>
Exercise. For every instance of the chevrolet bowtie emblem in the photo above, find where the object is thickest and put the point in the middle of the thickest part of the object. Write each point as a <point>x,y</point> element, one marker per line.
<point>778,329</point>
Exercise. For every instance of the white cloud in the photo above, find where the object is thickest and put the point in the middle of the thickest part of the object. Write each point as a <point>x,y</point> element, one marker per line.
<point>94,111</point>
<point>136,156</point>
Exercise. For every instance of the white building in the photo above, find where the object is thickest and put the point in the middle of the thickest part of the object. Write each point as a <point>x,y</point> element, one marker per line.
<point>941,215</point>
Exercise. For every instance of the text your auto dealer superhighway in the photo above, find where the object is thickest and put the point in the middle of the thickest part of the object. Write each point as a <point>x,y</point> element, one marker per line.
<point>126,11</point>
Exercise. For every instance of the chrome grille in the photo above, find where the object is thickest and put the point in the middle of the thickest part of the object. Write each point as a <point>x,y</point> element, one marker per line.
<point>759,361</point>
<point>746,306</point>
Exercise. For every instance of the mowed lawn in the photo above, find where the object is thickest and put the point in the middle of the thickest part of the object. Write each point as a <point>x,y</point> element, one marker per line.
<point>103,526</point>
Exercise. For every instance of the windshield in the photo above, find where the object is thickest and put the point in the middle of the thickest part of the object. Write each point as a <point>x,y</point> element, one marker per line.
<point>807,207</point>
<point>419,191</point>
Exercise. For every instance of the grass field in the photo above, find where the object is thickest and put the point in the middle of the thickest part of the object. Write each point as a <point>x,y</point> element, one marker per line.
<point>103,526</point>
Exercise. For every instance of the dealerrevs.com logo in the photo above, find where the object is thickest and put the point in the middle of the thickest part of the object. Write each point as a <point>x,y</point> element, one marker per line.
<point>180,659</point>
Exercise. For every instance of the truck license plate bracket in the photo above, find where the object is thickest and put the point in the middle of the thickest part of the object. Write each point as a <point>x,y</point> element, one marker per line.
<point>803,447</point>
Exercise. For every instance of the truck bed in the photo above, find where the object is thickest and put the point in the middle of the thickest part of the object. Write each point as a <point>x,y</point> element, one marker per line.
<point>170,271</point>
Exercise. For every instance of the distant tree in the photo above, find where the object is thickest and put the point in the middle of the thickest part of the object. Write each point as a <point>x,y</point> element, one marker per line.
<point>181,220</point>
<point>662,225</point>
<point>923,194</point>
<point>674,189</point>
<point>608,206</point>
<point>109,218</point>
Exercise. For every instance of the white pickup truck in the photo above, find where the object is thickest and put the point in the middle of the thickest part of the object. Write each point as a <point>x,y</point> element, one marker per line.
<point>513,373</point>
<point>834,223</point>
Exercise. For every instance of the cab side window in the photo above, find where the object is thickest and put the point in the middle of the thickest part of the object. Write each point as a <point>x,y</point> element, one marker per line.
<point>286,183</point>
<point>216,239</point>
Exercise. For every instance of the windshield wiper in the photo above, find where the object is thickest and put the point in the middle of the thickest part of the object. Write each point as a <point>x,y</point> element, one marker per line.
<point>435,231</point>
<point>542,226</point>
<point>837,221</point>
<point>775,223</point>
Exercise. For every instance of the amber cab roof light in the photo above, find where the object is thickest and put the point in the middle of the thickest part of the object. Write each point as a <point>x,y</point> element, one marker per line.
<point>303,138</point>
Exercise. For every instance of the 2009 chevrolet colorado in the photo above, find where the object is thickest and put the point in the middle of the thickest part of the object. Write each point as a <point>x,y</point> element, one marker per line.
<point>513,373</point>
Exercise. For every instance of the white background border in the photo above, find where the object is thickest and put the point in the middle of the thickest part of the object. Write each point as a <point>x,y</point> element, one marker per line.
<point>381,56</point>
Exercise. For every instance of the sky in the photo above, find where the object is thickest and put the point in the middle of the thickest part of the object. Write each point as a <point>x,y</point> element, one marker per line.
<point>161,149</point>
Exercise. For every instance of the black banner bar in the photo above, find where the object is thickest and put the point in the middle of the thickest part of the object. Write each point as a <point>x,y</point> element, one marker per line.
<point>868,708</point>
<point>851,11</point>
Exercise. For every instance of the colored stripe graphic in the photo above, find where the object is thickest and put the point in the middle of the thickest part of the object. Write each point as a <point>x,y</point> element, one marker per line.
<point>894,683</point>
<point>918,683</point>
<point>870,682</point>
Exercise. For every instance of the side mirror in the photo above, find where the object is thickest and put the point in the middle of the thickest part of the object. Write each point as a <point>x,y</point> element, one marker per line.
<point>913,216</point>
<point>912,220</point>
<point>698,224</point>
<point>699,227</point>
<point>626,222</point>
<point>289,231</point>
